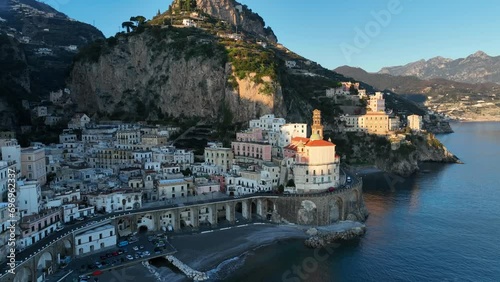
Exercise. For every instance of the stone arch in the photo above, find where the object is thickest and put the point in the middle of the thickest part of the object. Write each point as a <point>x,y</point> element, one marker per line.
<point>124,226</point>
<point>253,208</point>
<point>270,208</point>
<point>167,218</point>
<point>23,275</point>
<point>186,217</point>
<point>143,229</point>
<point>221,212</point>
<point>146,220</point>
<point>238,207</point>
<point>205,215</point>
<point>336,210</point>
<point>354,200</point>
<point>44,264</point>
<point>66,248</point>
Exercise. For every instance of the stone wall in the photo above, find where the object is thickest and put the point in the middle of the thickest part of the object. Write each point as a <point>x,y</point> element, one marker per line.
<point>323,208</point>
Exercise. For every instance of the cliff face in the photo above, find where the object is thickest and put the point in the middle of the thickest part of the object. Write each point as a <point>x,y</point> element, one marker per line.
<point>162,72</point>
<point>14,81</point>
<point>423,148</point>
<point>237,15</point>
<point>37,45</point>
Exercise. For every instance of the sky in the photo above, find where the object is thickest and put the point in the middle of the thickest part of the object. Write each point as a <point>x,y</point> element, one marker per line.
<point>370,34</point>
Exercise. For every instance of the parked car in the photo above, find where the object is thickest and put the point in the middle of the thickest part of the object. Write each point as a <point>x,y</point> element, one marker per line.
<point>348,179</point>
<point>129,257</point>
<point>59,228</point>
<point>331,189</point>
<point>141,247</point>
<point>135,248</point>
<point>80,218</point>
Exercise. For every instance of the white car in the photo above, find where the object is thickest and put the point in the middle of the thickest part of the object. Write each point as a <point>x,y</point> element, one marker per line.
<point>135,248</point>
<point>60,228</point>
<point>129,257</point>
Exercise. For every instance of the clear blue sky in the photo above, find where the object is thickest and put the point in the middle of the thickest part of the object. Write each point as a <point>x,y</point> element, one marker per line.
<point>325,31</point>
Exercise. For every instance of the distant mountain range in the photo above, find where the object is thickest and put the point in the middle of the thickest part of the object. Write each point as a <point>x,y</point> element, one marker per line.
<point>476,68</point>
<point>479,101</point>
<point>415,85</point>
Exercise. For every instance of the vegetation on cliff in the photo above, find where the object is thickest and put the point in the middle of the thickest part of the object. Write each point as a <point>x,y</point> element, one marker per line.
<point>402,158</point>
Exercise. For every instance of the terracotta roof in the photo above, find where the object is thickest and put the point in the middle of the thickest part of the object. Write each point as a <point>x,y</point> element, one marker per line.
<point>297,139</point>
<point>319,143</point>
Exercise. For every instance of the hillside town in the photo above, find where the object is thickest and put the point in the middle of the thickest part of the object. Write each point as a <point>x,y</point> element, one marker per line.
<point>106,167</point>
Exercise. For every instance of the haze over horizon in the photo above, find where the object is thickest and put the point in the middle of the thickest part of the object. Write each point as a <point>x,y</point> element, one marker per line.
<point>366,34</point>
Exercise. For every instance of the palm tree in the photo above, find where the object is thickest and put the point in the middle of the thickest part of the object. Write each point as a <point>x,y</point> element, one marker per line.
<point>128,26</point>
<point>140,20</point>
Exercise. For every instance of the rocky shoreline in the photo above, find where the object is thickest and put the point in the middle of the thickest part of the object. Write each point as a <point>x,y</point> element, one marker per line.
<point>325,235</point>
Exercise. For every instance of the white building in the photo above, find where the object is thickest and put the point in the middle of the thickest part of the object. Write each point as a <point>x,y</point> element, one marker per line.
<point>219,156</point>
<point>71,212</point>
<point>29,197</point>
<point>267,122</point>
<point>4,231</point>
<point>415,122</point>
<point>12,152</point>
<point>67,136</point>
<point>56,96</point>
<point>6,168</point>
<point>172,188</point>
<point>377,102</point>
<point>315,165</point>
<point>188,23</point>
<point>95,239</point>
<point>394,123</point>
<point>41,111</point>
<point>35,227</point>
<point>291,130</point>
<point>79,121</point>
<point>291,64</point>
<point>115,201</point>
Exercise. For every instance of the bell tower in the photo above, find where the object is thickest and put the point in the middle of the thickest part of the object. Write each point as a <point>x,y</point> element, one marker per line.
<point>317,127</point>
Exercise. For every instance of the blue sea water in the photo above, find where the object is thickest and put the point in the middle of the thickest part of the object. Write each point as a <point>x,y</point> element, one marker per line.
<point>442,224</point>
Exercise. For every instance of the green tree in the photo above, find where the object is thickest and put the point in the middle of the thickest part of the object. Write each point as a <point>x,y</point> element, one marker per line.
<point>290,183</point>
<point>186,172</point>
<point>140,20</point>
<point>128,25</point>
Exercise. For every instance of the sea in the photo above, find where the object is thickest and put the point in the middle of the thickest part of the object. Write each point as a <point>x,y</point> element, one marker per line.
<point>442,224</point>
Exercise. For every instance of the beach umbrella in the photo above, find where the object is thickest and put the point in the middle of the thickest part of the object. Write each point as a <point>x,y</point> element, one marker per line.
<point>97,273</point>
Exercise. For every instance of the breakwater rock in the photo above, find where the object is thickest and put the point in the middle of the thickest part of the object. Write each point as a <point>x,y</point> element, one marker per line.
<point>343,231</point>
<point>188,271</point>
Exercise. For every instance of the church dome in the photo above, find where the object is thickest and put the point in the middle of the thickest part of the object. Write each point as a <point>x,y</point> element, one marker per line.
<point>315,136</point>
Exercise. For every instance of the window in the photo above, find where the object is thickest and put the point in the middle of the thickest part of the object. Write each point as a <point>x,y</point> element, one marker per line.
<point>90,238</point>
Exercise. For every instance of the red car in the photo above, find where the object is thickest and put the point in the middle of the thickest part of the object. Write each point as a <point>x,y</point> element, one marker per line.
<point>331,189</point>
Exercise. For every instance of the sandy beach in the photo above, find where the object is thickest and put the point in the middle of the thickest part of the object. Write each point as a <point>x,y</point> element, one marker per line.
<point>206,252</point>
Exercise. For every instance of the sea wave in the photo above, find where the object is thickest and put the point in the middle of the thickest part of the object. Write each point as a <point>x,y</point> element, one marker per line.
<point>227,267</point>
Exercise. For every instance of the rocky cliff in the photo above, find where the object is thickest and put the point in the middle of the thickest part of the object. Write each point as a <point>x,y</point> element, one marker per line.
<point>234,13</point>
<point>162,72</point>
<point>399,157</point>
<point>420,148</point>
<point>37,46</point>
